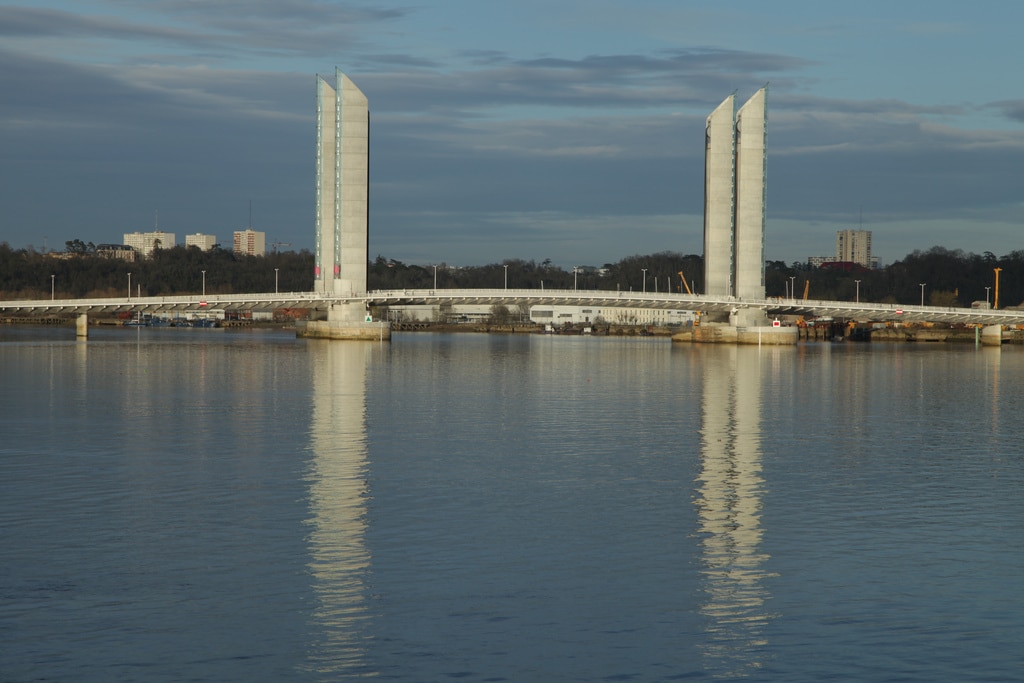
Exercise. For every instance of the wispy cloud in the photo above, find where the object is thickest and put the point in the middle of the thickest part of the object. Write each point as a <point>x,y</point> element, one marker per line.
<point>491,138</point>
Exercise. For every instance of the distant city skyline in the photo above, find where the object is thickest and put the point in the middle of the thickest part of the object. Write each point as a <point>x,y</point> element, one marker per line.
<point>564,130</point>
<point>208,241</point>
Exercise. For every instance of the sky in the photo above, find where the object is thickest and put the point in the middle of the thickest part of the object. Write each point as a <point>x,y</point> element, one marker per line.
<point>569,130</point>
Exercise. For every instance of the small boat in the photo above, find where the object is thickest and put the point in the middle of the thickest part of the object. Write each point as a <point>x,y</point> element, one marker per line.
<point>137,321</point>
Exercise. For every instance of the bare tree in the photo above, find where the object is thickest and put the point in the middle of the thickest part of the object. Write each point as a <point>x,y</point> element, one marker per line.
<point>500,314</point>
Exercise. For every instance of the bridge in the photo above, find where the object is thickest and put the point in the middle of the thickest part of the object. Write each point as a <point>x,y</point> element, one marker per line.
<point>344,214</point>
<point>346,316</point>
<point>772,306</point>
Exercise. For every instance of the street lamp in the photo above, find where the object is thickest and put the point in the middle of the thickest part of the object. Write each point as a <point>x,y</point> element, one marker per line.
<point>129,285</point>
<point>575,270</point>
<point>204,282</point>
<point>53,280</point>
<point>435,278</point>
<point>857,282</point>
<point>922,293</point>
<point>986,296</point>
<point>506,276</point>
<point>276,290</point>
<point>792,286</point>
<point>645,279</point>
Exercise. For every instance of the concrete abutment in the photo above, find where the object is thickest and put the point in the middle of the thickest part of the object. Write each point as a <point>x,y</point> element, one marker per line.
<point>345,321</point>
<point>727,333</point>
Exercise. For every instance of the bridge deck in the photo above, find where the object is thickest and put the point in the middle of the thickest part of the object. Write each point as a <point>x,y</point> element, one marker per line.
<point>512,297</point>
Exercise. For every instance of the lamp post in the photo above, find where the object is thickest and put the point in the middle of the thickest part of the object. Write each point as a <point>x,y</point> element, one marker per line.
<point>204,282</point>
<point>53,285</point>
<point>792,286</point>
<point>986,296</point>
<point>575,270</point>
<point>129,285</point>
<point>922,293</point>
<point>276,290</point>
<point>506,276</point>
<point>857,282</point>
<point>435,278</point>
<point>645,279</point>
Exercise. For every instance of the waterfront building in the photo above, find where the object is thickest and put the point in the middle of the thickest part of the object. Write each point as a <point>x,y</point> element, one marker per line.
<point>342,186</point>
<point>250,242</point>
<point>541,314</point>
<point>146,242</point>
<point>203,242</point>
<point>558,316</point>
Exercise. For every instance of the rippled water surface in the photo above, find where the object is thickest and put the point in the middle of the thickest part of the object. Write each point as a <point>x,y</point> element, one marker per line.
<point>204,505</point>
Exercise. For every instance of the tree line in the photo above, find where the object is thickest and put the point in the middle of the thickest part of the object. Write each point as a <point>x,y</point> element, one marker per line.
<point>83,273</point>
<point>950,277</point>
<point>656,272</point>
<point>944,277</point>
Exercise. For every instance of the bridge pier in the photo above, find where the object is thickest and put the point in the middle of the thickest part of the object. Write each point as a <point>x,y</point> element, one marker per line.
<point>744,326</point>
<point>82,326</point>
<point>346,321</point>
<point>992,335</point>
<point>724,333</point>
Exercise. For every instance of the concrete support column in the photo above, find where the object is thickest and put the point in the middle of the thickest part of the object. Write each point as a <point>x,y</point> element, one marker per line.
<point>346,321</point>
<point>82,326</point>
<point>992,335</point>
<point>749,317</point>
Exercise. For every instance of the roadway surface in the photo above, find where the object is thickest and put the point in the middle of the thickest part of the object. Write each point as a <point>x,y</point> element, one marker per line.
<point>861,311</point>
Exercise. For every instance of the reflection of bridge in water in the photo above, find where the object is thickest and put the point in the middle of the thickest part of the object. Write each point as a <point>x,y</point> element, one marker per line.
<point>729,501</point>
<point>324,303</point>
<point>735,571</point>
<point>339,562</point>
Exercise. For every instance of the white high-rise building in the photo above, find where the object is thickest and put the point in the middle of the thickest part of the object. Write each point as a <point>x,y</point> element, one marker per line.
<point>854,246</point>
<point>204,242</point>
<point>250,242</point>
<point>146,242</point>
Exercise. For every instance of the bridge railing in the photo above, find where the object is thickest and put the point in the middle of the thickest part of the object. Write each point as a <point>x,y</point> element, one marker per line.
<point>610,298</point>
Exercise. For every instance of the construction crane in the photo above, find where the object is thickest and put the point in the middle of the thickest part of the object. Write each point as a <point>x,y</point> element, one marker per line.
<point>683,278</point>
<point>275,245</point>
<point>995,303</point>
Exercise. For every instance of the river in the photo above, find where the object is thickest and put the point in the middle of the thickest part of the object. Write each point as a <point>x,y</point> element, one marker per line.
<point>212,505</point>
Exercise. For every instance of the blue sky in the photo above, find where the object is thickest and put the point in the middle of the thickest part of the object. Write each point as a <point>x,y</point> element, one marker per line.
<point>568,130</point>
